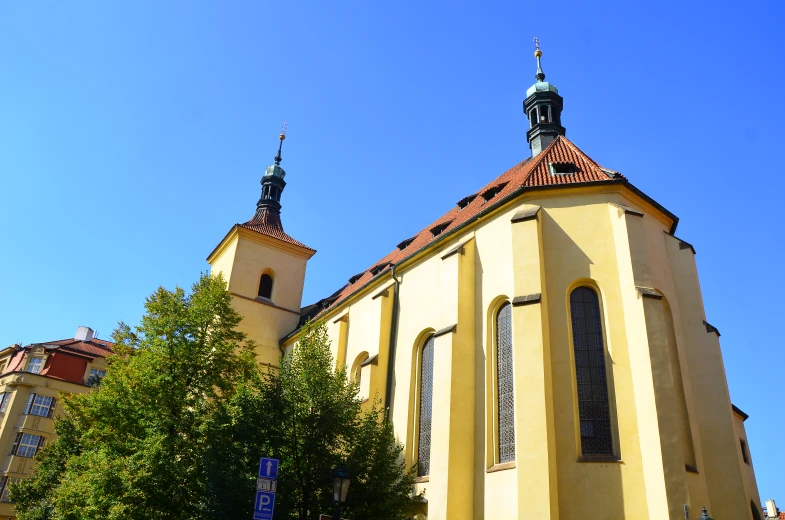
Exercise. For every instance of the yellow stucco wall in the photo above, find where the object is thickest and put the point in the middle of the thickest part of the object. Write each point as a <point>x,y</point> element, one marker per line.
<point>19,386</point>
<point>673,432</point>
<point>243,257</point>
<point>747,468</point>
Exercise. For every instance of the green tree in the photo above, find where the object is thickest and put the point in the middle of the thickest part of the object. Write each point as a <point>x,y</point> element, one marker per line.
<point>135,447</point>
<point>308,416</point>
<point>176,428</point>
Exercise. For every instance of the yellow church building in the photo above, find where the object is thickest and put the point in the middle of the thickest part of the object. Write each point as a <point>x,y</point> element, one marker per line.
<point>542,347</point>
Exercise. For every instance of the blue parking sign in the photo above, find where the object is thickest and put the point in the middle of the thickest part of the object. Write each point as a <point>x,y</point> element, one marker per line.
<point>268,468</point>
<point>263,509</point>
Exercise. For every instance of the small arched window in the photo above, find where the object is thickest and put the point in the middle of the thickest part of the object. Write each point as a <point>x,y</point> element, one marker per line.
<point>593,407</point>
<point>426,410</point>
<point>756,513</point>
<point>504,384</point>
<point>266,286</point>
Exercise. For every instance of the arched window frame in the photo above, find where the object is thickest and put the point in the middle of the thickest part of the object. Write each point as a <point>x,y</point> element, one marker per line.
<point>356,375</point>
<point>416,400</point>
<point>494,455</point>
<point>269,273</point>
<point>614,451</point>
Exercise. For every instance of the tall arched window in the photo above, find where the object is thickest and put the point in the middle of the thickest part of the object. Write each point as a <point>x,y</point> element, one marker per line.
<point>593,407</point>
<point>266,286</point>
<point>504,384</point>
<point>426,410</point>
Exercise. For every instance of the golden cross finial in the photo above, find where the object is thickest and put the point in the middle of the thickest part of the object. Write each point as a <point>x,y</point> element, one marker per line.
<point>536,43</point>
<point>283,131</point>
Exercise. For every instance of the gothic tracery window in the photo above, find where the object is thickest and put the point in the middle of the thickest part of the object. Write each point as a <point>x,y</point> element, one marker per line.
<point>593,406</point>
<point>504,384</point>
<point>426,409</point>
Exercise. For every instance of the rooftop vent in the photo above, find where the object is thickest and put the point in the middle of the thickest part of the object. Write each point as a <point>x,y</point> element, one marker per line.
<point>84,334</point>
<point>379,268</point>
<point>403,245</point>
<point>565,168</point>
<point>492,192</point>
<point>438,228</point>
<point>466,200</point>
<point>356,277</point>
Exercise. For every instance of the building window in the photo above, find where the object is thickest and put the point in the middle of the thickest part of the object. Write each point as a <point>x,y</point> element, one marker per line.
<point>41,405</point>
<point>5,485</point>
<point>504,384</point>
<point>27,445</point>
<point>35,364</point>
<point>95,376</point>
<point>266,286</point>
<point>593,407</point>
<point>426,410</point>
<point>744,453</point>
<point>4,398</point>
<point>756,513</point>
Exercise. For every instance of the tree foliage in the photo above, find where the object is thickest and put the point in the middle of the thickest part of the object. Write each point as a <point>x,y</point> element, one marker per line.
<point>176,427</point>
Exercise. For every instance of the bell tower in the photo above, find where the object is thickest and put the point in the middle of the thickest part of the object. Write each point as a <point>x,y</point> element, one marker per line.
<point>543,106</point>
<point>264,268</point>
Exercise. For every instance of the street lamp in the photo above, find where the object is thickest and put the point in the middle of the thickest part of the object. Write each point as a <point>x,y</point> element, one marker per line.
<point>341,482</point>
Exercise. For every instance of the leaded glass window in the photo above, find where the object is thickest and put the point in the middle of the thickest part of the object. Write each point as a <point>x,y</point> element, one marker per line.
<point>593,407</point>
<point>504,384</point>
<point>426,410</point>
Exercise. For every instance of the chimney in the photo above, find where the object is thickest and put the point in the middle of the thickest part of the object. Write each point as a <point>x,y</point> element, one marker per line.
<point>771,509</point>
<point>84,334</point>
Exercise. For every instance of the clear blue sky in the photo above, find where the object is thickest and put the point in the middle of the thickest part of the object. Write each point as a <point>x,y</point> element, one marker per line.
<point>133,136</point>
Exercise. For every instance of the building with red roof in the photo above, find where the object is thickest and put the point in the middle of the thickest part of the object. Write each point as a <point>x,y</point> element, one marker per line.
<point>542,348</point>
<point>32,378</point>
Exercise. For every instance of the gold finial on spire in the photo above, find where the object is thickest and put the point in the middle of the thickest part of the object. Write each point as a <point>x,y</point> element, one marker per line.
<point>280,144</point>
<point>537,54</point>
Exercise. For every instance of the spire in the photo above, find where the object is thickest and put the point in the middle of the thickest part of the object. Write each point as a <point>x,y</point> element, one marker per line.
<point>280,143</point>
<point>543,106</point>
<point>272,182</point>
<point>538,54</point>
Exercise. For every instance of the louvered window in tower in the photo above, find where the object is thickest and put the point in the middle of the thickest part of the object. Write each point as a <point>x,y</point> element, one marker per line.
<point>593,407</point>
<point>426,410</point>
<point>504,382</point>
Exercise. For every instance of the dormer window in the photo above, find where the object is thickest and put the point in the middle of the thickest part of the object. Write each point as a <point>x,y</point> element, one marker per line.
<point>403,245</point>
<point>35,364</point>
<point>266,286</point>
<point>438,228</point>
<point>466,201</point>
<point>562,168</point>
<point>492,192</point>
<point>379,268</point>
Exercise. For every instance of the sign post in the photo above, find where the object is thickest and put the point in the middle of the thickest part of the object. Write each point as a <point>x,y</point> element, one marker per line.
<point>266,487</point>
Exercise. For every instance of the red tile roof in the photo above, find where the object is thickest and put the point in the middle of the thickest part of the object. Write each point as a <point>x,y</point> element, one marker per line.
<point>533,172</point>
<point>269,223</point>
<point>92,348</point>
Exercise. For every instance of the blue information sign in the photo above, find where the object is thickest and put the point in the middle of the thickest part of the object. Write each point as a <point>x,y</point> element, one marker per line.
<point>268,468</point>
<point>265,502</point>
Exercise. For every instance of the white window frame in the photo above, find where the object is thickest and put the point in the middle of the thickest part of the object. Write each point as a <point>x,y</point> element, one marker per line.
<point>39,364</point>
<point>40,405</point>
<point>28,445</point>
<point>91,378</point>
<point>4,487</point>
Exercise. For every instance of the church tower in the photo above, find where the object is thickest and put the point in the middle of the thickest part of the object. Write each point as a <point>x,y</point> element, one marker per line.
<point>264,268</point>
<point>543,106</point>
